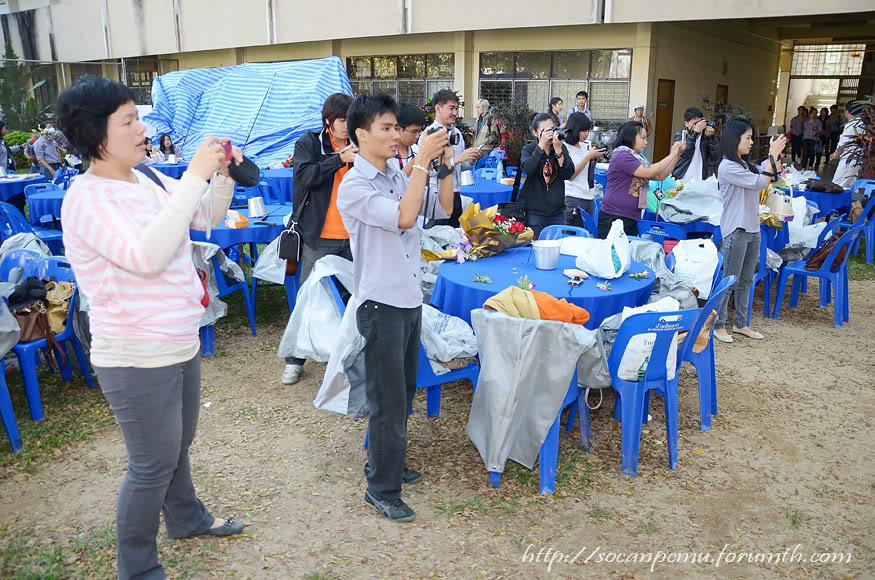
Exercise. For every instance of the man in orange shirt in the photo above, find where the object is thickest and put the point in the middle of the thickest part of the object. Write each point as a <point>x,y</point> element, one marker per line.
<point>322,158</point>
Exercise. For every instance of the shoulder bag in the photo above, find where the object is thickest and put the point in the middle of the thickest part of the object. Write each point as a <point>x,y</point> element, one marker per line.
<point>290,244</point>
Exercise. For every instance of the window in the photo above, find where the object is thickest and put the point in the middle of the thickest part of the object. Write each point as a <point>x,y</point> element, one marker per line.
<point>139,74</point>
<point>536,77</point>
<point>412,78</point>
<point>45,86</point>
<point>81,69</point>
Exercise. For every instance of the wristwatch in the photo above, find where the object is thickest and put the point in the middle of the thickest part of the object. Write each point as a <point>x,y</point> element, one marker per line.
<point>444,171</point>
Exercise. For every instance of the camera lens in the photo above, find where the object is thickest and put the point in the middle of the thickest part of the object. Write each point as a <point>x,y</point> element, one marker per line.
<point>454,138</point>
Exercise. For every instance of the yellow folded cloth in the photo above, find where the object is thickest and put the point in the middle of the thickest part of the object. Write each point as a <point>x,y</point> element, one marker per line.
<point>514,301</point>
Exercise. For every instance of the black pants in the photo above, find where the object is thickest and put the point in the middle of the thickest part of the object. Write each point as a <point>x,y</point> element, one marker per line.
<point>630,226</point>
<point>391,359</point>
<point>808,152</point>
<point>454,218</point>
<point>833,145</point>
<point>796,147</point>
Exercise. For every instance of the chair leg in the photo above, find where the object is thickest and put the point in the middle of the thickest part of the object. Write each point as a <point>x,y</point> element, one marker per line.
<point>870,245</point>
<point>27,364</point>
<point>838,310</point>
<point>367,432</point>
<point>8,413</point>
<point>495,478</point>
<point>633,406</point>
<point>767,294</point>
<point>83,362</point>
<point>67,369</point>
<point>583,415</point>
<point>845,296</point>
<point>671,422</point>
<point>713,378</point>
<point>703,374</point>
<point>433,400</point>
<point>794,290</point>
<point>782,289</point>
<point>250,310</point>
<point>549,457</point>
<point>572,416</point>
<point>804,289</point>
<point>750,301</point>
<point>208,337</point>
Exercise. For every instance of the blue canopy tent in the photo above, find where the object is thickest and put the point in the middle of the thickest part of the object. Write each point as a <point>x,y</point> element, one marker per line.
<point>265,107</point>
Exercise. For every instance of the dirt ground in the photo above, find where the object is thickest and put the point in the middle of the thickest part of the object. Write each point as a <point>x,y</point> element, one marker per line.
<point>787,466</point>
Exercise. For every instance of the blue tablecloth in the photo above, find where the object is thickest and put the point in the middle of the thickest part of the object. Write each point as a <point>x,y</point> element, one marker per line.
<point>487,192</point>
<point>601,176</point>
<point>45,203</point>
<point>174,170</point>
<point>827,203</point>
<point>456,293</point>
<point>10,187</point>
<point>258,234</point>
<point>283,179</point>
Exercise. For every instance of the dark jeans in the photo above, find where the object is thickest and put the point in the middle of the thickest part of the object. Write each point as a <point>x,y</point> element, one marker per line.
<point>538,222</point>
<point>796,147</point>
<point>50,176</point>
<point>453,220</point>
<point>630,226</point>
<point>157,410</point>
<point>808,152</point>
<point>741,255</point>
<point>391,360</point>
<point>573,218</point>
<point>833,144</point>
<point>309,257</point>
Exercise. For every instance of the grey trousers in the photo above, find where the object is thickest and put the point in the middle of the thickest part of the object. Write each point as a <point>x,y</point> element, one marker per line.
<point>157,410</point>
<point>741,255</point>
<point>309,257</point>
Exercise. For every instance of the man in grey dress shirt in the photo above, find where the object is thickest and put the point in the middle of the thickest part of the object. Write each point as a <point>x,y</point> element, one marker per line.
<point>47,156</point>
<point>446,111</point>
<point>379,206</point>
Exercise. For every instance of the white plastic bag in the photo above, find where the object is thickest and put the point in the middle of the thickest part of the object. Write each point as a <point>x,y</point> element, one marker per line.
<point>270,267</point>
<point>695,263</point>
<point>609,258</point>
<point>445,337</point>
<point>637,355</point>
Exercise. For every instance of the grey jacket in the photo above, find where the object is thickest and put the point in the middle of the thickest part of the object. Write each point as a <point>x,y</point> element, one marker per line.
<point>7,161</point>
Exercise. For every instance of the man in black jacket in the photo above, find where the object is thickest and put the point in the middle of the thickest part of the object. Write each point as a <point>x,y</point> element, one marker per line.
<point>701,153</point>
<point>546,165</point>
<point>321,160</point>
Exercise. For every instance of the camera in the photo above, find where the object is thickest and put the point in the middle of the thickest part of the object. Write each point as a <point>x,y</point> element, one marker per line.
<point>712,124</point>
<point>561,134</point>
<point>454,136</point>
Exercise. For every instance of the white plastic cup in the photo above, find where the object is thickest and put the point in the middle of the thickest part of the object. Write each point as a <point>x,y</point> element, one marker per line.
<point>171,158</point>
<point>546,253</point>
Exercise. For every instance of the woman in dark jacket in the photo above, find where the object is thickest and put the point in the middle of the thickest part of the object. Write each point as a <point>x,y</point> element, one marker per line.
<point>322,158</point>
<point>546,165</point>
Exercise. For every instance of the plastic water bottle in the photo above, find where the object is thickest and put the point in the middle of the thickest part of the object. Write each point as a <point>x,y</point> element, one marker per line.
<point>499,174</point>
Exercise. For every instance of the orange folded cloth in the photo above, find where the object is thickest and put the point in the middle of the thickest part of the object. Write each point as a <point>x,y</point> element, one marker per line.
<point>561,310</point>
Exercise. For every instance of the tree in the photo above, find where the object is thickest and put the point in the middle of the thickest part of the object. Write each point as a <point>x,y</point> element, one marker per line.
<point>20,110</point>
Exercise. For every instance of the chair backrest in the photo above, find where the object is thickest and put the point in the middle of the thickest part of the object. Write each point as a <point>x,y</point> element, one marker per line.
<point>864,186</point>
<point>53,267</point>
<point>846,240</point>
<point>556,232</point>
<point>867,213</point>
<point>831,228</point>
<point>497,153</point>
<point>715,299</point>
<point>813,204</point>
<point>488,173</point>
<point>486,162</point>
<point>588,222</point>
<point>665,325</point>
<point>14,219</point>
<point>511,171</point>
<point>718,273</point>
<point>23,259</point>
<point>597,203</point>
<point>269,188</point>
<point>659,231</point>
<point>38,188</point>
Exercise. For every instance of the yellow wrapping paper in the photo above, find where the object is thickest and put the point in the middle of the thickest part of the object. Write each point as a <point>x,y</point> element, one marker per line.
<point>485,239</point>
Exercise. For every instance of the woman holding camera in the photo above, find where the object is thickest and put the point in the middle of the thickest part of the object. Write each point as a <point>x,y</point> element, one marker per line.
<point>629,175</point>
<point>740,182</point>
<point>127,239</point>
<point>579,189</point>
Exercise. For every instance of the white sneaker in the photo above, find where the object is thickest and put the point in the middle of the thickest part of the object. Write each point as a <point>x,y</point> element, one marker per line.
<point>727,338</point>
<point>292,374</point>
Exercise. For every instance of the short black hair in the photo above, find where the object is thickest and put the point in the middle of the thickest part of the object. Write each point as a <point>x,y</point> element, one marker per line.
<point>582,94</point>
<point>576,123</point>
<point>627,134</point>
<point>692,113</point>
<point>732,133</point>
<point>444,96</point>
<point>364,109</point>
<point>2,124</point>
<point>84,109</point>
<point>335,107</point>
<point>410,114</point>
<point>540,118</point>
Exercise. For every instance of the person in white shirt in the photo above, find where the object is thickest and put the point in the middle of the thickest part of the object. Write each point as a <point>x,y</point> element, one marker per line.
<point>581,107</point>
<point>579,190</point>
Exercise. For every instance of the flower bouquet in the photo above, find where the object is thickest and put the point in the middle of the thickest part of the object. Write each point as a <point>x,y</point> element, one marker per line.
<point>490,233</point>
<point>289,161</point>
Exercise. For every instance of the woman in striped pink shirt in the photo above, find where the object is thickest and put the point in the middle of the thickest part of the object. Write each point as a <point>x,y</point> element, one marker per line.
<point>128,242</point>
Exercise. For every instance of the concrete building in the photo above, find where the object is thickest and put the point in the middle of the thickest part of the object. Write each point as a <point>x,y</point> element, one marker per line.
<point>666,55</point>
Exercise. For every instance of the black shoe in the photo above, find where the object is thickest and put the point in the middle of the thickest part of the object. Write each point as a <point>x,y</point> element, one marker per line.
<point>394,509</point>
<point>229,528</point>
<point>409,476</point>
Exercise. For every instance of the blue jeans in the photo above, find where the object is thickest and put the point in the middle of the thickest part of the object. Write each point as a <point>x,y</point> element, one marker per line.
<point>741,255</point>
<point>539,222</point>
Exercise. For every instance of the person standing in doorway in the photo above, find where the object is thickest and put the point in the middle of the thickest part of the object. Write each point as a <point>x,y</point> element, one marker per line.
<point>810,135</point>
<point>797,130</point>
<point>322,158</point>
<point>822,144</point>
<point>832,129</point>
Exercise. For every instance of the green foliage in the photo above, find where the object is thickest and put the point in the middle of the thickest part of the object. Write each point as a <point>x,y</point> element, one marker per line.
<point>514,122</point>
<point>13,138</point>
<point>20,110</point>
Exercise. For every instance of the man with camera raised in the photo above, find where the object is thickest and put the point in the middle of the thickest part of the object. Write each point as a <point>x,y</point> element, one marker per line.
<point>446,111</point>
<point>701,151</point>
<point>546,163</point>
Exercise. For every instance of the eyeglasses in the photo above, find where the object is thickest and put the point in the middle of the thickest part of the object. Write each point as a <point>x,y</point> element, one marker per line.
<point>415,132</point>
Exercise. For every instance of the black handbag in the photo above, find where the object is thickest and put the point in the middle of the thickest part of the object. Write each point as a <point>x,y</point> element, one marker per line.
<point>291,244</point>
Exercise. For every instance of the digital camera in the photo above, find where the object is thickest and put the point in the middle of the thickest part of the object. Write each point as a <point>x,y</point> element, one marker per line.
<point>454,136</point>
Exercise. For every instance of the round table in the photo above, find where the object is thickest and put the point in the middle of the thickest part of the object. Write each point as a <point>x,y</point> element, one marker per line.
<point>174,170</point>
<point>45,203</point>
<point>282,180</point>
<point>487,192</point>
<point>12,185</point>
<point>827,203</point>
<point>253,234</point>
<point>456,293</point>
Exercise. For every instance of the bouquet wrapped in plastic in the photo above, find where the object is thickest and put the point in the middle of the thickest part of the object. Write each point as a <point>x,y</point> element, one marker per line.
<point>486,234</point>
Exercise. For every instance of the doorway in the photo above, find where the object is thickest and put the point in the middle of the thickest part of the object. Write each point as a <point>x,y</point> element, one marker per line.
<point>664,112</point>
<point>723,94</point>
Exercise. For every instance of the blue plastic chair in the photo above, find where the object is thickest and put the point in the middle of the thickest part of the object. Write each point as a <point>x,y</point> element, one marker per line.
<point>556,232</point>
<point>500,153</point>
<point>7,413</point>
<point>866,223</point>
<point>226,287</point>
<point>23,259</point>
<point>838,279</point>
<point>208,340</point>
<point>633,397</point>
<point>17,224</point>
<point>39,188</point>
<point>863,186</point>
<point>486,174</point>
<point>659,231</point>
<point>269,188</point>
<point>704,361</point>
<point>511,171</point>
<point>588,222</point>
<point>28,352</point>
<point>831,228</point>
<point>486,163</point>
<point>63,176</point>
<point>764,275</point>
<point>718,272</point>
<point>597,204</point>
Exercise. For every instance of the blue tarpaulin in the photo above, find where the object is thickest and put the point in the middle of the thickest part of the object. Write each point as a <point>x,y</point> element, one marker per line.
<point>265,107</point>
